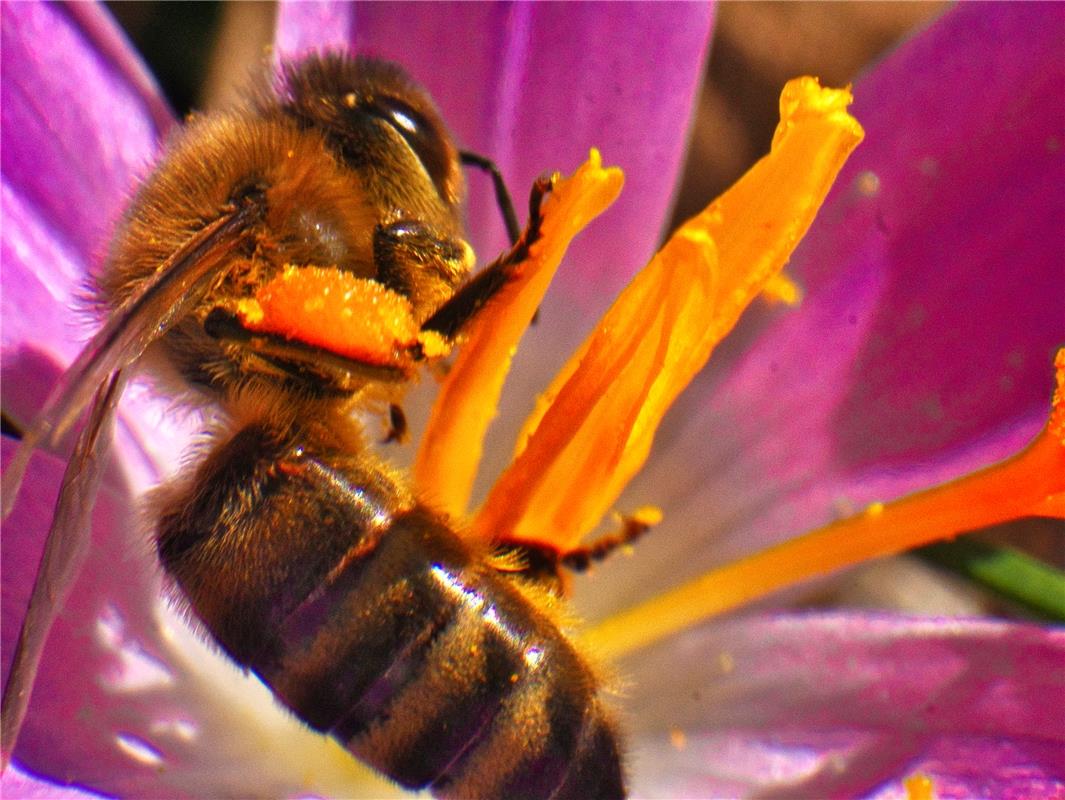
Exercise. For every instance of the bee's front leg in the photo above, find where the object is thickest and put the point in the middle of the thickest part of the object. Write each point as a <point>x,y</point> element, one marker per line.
<point>418,261</point>
<point>452,316</point>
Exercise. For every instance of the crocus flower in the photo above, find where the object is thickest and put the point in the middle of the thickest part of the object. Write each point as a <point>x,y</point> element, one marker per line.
<point>933,288</point>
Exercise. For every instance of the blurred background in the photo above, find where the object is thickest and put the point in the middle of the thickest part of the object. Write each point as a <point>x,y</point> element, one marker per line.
<point>202,51</point>
<point>199,51</point>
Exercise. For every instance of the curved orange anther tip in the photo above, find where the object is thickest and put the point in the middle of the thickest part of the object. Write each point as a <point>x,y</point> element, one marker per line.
<point>598,418</point>
<point>451,448</point>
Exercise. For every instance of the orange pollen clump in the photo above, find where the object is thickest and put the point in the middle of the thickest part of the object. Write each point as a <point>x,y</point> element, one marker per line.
<point>782,289</point>
<point>329,308</point>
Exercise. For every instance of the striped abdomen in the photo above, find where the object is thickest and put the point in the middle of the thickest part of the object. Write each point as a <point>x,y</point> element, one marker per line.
<point>378,626</point>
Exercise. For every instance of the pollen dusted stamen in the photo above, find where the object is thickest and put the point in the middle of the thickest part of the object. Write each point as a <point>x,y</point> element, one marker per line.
<point>598,418</point>
<point>1030,483</point>
<point>450,450</point>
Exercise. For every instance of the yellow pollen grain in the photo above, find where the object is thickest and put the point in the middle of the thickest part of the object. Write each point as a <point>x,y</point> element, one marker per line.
<point>678,739</point>
<point>874,509</point>
<point>433,344</point>
<point>782,289</point>
<point>868,183</point>
<point>919,787</point>
<point>250,310</point>
<point>647,515</point>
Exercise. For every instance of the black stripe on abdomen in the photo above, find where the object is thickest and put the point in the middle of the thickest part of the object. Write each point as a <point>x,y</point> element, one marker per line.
<point>441,673</point>
<point>344,639</point>
<point>438,717</point>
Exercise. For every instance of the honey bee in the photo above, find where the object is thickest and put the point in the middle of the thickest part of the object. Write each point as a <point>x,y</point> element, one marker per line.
<point>308,560</point>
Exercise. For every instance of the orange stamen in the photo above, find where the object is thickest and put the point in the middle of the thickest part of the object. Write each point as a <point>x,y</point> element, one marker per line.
<point>1030,483</point>
<point>451,448</point>
<point>594,426</point>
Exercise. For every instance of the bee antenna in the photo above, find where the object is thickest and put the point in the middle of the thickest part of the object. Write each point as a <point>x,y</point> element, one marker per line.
<point>506,205</point>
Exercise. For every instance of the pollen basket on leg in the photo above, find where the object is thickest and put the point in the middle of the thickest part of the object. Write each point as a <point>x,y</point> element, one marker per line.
<point>329,308</point>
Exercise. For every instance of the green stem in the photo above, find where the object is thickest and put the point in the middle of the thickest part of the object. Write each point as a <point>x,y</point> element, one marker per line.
<point>1008,572</point>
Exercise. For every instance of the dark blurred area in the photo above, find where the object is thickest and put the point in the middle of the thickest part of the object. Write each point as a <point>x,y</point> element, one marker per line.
<point>176,40</point>
<point>757,48</point>
<point>200,52</point>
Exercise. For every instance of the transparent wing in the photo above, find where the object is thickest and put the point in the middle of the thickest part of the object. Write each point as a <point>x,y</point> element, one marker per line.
<point>64,553</point>
<point>97,378</point>
<point>176,287</point>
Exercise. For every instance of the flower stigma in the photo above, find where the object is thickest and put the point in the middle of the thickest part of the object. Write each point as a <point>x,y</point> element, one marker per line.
<point>598,417</point>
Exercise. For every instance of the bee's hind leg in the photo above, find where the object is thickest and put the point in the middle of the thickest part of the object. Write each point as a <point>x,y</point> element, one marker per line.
<point>580,559</point>
<point>548,565</point>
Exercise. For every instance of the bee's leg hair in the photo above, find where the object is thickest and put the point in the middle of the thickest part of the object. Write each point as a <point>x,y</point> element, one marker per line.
<point>404,249</point>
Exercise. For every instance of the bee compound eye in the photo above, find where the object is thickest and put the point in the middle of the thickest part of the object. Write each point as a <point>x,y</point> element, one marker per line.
<point>423,136</point>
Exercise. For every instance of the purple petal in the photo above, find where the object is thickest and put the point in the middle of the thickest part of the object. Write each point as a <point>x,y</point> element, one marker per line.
<point>933,305</point>
<point>64,726</point>
<point>313,26</point>
<point>77,133</point>
<point>150,710</point>
<point>76,129</point>
<point>17,785</point>
<point>136,715</point>
<point>835,705</point>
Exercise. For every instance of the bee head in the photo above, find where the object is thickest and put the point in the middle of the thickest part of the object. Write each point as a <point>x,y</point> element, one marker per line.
<point>371,113</point>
